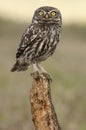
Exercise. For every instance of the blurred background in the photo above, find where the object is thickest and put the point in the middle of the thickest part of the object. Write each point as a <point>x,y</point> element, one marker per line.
<point>67,66</point>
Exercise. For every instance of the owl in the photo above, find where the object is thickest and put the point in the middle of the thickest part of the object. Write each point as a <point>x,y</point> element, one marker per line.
<point>39,40</point>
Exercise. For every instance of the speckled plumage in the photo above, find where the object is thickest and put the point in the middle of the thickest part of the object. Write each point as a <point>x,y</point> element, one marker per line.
<point>40,39</point>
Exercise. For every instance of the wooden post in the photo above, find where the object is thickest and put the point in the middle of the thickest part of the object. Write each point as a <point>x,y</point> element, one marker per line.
<point>43,112</point>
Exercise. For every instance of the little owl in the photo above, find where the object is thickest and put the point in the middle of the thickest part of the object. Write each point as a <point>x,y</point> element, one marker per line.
<point>39,40</point>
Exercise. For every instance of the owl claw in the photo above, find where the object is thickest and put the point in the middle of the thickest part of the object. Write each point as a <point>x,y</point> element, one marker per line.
<point>47,76</point>
<point>35,75</point>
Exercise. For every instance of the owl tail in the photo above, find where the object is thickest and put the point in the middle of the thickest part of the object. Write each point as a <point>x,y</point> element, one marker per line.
<point>18,67</point>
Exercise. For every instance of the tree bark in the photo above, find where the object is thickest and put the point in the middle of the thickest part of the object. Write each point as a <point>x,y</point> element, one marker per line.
<point>43,112</point>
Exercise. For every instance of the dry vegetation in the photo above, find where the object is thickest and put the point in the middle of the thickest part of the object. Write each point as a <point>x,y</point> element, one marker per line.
<point>67,67</point>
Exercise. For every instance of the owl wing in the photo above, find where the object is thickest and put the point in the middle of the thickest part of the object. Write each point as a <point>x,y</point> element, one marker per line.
<point>26,41</point>
<point>25,47</point>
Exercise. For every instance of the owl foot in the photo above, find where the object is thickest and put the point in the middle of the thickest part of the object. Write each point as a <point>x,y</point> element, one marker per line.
<point>36,75</point>
<point>40,70</point>
<point>47,76</point>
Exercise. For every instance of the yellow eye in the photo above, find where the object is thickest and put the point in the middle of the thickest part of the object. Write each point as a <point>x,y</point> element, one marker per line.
<point>41,13</point>
<point>53,13</point>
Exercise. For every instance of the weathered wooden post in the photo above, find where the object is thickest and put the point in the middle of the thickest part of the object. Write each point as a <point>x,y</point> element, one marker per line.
<point>43,112</point>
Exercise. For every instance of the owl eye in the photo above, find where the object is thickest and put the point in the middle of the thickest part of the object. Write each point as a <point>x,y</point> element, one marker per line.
<point>41,13</point>
<point>53,13</point>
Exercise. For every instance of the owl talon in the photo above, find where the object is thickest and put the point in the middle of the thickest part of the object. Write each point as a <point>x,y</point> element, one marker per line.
<point>47,76</point>
<point>35,75</point>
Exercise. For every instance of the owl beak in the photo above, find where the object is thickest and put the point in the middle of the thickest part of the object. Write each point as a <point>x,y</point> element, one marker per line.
<point>46,16</point>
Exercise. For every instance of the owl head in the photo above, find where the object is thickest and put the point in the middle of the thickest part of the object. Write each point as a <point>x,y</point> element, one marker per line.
<point>47,14</point>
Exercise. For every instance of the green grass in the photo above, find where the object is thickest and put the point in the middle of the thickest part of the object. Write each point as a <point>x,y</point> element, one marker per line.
<point>67,68</point>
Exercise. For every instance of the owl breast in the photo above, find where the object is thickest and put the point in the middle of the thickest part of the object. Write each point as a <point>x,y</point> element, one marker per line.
<point>46,46</point>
